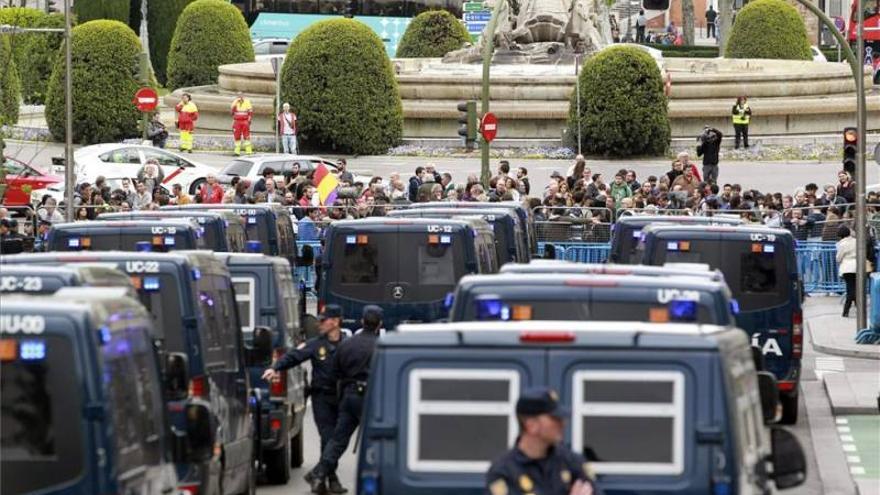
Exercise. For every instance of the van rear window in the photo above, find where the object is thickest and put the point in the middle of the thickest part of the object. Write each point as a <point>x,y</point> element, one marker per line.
<point>160,294</point>
<point>111,240</point>
<point>40,437</point>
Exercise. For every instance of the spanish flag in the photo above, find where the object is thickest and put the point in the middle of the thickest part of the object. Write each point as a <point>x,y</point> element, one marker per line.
<point>326,183</point>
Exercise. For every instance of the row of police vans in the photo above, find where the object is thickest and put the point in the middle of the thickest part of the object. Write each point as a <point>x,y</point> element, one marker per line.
<point>132,354</point>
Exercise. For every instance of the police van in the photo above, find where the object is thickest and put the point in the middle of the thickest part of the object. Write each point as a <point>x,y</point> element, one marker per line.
<point>659,408</point>
<point>405,266</point>
<point>222,230</point>
<point>760,267</point>
<point>505,225</point>
<point>626,232</point>
<point>34,280</point>
<point>267,297</point>
<point>528,242</point>
<point>190,296</point>
<point>578,297</point>
<point>572,267</point>
<point>81,394</point>
<point>125,235</point>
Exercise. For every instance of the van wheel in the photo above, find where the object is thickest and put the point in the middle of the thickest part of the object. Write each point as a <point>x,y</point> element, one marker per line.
<point>296,450</point>
<point>277,470</point>
<point>789,408</point>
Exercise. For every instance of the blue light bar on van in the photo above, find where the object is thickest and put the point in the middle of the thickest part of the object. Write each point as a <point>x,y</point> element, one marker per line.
<point>151,284</point>
<point>73,242</point>
<point>254,247</point>
<point>143,247</point>
<point>169,241</point>
<point>200,232</point>
<point>32,350</point>
<point>637,234</point>
<point>678,246</point>
<point>445,239</point>
<point>734,306</point>
<point>104,335</point>
<point>448,300</point>
<point>252,220</point>
<point>351,239</point>
<point>769,248</point>
<point>196,274</point>
<point>682,310</point>
<point>491,309</point>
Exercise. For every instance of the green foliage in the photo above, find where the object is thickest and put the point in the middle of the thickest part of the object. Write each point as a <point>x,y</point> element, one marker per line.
<point>769,29</point>
<point>162,18</point>
<point>90,10</point>
<point>340,82</point>
<point>623,107</point>
<point>34,53</point>
<point>105,78</point>
<point>686,51</point>
<point>10,86</point>
<point>209,33</point>
<point>433,33</point>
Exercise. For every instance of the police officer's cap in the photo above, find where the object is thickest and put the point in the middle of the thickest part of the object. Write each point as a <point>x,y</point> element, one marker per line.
<point>372,310</point>
<point>540,400</point>
<point>331,311</point>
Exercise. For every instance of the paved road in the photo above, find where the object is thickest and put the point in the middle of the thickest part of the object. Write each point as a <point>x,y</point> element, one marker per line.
<point>765,176</point>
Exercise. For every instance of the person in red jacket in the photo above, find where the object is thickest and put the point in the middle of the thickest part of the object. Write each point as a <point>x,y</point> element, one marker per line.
<point>211,192</point>
<point>242,114</point>
<point>187,114</point>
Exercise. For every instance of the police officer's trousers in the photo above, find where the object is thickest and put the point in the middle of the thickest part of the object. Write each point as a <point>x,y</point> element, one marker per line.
<point>325,407</point>
<point>350,409</point>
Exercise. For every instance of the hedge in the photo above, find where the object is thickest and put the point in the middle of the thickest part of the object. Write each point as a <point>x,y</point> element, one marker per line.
<point>10,86</point>
<point>105,68</point>
<point>623,107</point>
<point>90,10</point>
<point>34,52</point>
<point>162,18</point>
<point>433,33</point>
<point>769,29</point>
<point>209,33</point>
<point>340,82</point>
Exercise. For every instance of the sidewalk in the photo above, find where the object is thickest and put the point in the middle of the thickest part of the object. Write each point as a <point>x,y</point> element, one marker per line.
<point>830,333</point>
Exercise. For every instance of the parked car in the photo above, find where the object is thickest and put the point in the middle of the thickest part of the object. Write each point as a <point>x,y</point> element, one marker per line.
<point>269,48</point>
<point>252,167</point>
<point>22,179</point>
<point>818,56</point>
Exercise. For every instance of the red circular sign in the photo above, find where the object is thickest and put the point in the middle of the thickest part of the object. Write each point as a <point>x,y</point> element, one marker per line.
<point>489,126</point>
<point>146,99</point>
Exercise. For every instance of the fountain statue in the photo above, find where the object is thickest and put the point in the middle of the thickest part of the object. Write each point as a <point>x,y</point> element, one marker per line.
<point>542,32</point>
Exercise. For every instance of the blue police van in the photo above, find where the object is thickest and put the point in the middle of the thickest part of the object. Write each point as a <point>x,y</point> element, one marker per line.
<point>81,395</point>
<point>222,230</point>
<point>579,297</point>
<point>190,297</point>
<point>626,232</point>
<point>509,235</point>
<point>267,298</point>
<point>572,267</point>
<point>760,267</point>
<point>27,279</point>
<point>125,235</point>
<point>405,266</point>
<point>655,408</point>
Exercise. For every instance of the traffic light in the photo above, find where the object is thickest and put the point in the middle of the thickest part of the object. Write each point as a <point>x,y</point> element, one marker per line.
<point>655,4</point>
<point>850,149</point>
<point>467,120</point>
<point>51,7</point>
<point>350,8</point>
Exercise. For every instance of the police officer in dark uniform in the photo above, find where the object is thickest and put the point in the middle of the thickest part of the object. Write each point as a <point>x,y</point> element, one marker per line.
<point>325,404</point>
<point>539,464</point>
<point>351,369</point>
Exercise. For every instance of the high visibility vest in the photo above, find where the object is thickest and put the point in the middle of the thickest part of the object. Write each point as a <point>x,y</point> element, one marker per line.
<point>740,116</point>
<point>242,110</point>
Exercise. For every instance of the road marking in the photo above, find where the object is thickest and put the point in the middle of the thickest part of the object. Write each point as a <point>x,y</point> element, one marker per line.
<point>843,429</point>
<point>842,421</point>
<point>847,438</point>
<point>828,364</point>
<point>856,470</point>
<point>853,459</point>
<point>848,447</point>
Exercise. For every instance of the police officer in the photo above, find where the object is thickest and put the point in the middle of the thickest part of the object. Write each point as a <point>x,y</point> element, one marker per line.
<point>325,404</point>
<point>538,463</point>
<point>351,368</point>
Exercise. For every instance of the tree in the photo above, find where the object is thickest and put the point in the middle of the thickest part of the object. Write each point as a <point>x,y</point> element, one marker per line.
<point>34,53</point>
<point>162,18</point>
<point>433,33</point>
<point>687,18</point>
<point>340,82</point>
<point>10,87</point>
<point>769,29</point>
<point>90,10</point>
<point>105,69</point>
<point>209,33</point>
<point>622,105</point>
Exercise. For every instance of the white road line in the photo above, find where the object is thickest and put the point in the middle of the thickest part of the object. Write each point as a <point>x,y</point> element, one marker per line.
<point>842,421</point>
<point>843,429</point>
<point>856,470</point>
<point>853,459</point>
<point>847,438</point>
<point>848,447</point>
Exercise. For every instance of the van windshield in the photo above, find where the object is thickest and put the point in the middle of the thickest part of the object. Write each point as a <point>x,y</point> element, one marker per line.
<point>40,436</point>
<point>757,272</point>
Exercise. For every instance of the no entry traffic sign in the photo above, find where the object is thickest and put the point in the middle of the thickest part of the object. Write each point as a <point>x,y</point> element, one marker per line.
<point>489,126</point>
<point>146,99</point>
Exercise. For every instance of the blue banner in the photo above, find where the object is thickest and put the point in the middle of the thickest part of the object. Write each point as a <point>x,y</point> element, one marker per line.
<point>476,27</point>
<point>481,16</point>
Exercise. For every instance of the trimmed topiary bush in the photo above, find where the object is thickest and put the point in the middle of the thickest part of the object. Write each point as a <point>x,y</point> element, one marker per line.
<point>90,10</point>
<point>769,29</point>
<point>623,106</point>
<point>162,18</point>
<point>433,33</point>
<point>340,82</point>
<point>10,87</point>
<point>209,33</point>
<point>105,69</point>
<point>34,53</point>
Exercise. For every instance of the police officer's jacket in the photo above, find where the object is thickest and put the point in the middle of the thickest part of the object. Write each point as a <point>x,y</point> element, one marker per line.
<point>320,350</point>
<point>351,363</point>
<point>515,473</point>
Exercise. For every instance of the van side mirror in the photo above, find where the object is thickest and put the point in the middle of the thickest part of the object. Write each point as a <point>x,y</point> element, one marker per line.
<point>199,432</point>
<point>176,376</point>
<point>769,396</point>
<point>308,256</point>
<point>789,463</point>
<point>758,358</point>
<point>261,345</point>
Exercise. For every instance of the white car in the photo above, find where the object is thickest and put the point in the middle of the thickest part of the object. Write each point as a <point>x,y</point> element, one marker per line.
<point>269,48</point>
<point>251,167</point>
<point>818,56</point>
<point>125,160</point>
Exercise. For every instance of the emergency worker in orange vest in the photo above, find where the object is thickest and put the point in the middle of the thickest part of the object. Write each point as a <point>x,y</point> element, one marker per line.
<point>242,114</point>
<point>187,114</point>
